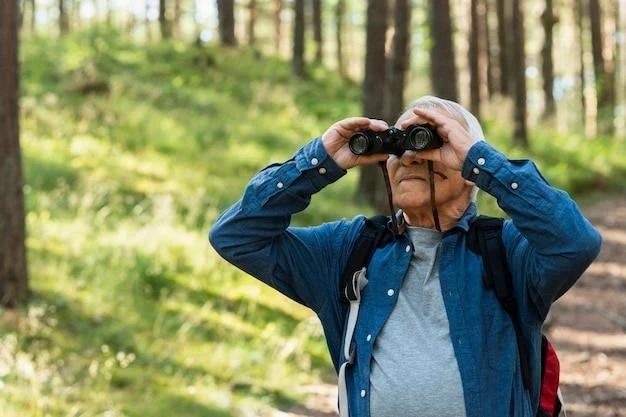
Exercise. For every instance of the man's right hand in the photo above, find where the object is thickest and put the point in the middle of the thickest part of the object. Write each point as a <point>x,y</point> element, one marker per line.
<point>337,136</point>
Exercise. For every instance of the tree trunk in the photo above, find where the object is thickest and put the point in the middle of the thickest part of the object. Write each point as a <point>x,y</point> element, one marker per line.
<point>486,50</point>
<point>581,57</point>
<point>13,266</point>
<point>603,74</point>
<point>33,16</point>
<point>340,10</point>
<point>398,62</point>
<point>442,63</point>
<point>520,133</point>
<point>64,25</point>
<point>252,12</point>
<point>226,17</point>
<point>503,44</point>
<point>473,59</point>
<point>164,23</point>
<point>298,64</point>
<point>317,30</point>
<point>548,20</point>
<point>371,185</point>
<point>176,19</point>
<point>277,24</point>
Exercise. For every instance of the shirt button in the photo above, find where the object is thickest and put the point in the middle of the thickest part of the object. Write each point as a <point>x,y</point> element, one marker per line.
<point>514,185</point>
<point>408,248</point>
<point>280,185</point>
<point>314,161</point>
<point>363,393</point>
<point>369,337</point>
<point>322,170</point>
<point>390,292</point>
<point>476,171</point>
<point>481,161</point>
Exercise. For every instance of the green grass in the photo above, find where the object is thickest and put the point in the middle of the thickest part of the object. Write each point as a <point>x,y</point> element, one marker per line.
<point>132,313</point>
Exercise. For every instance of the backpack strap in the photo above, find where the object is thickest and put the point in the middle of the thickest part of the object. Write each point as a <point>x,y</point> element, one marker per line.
<point>374,234</point>
<point>485,238</point>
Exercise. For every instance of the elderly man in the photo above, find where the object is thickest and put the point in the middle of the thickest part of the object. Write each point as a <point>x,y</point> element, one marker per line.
<point>430,339</point>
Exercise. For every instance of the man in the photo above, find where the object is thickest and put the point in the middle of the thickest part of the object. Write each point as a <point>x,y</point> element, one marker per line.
<point>430,339</point>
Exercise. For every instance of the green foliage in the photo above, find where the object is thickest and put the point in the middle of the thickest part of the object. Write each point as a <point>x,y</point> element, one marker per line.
<point>130,152</point>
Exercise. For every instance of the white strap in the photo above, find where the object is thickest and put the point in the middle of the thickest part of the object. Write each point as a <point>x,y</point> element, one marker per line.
<point>359,281</point>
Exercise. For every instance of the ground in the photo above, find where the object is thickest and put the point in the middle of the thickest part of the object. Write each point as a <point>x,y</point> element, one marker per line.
<point>588,330</point>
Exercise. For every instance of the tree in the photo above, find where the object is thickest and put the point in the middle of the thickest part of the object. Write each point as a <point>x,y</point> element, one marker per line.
<point>398,62</point>
<point>581,56</point>
<point>13,269</point>
<point>371,185</point>
<point>226,21</point>
<point>278,6</point>
<point>317,30</point>
<point>503,50</point>
<point>442,63</point>
<point>64,25</point>
<point>164,23</point>
<point>252,12</point>
<point>602,71</point>
<point>340,9</point>
<point>473,59</point>
<point>548,20</point>
<point>520,132</point>
<point>298,65</point>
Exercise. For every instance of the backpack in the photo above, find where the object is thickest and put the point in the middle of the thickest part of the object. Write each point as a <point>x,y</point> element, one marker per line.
<point>485,239</point>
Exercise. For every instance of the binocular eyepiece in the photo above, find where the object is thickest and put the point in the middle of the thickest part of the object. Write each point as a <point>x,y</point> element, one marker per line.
<point>395,141</point>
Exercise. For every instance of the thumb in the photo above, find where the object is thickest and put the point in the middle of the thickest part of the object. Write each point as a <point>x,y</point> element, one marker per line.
<point>430,154</point>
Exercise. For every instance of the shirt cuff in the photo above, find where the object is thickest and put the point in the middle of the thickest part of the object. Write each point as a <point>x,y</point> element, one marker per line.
<point>313,161</point>
<point>481,163</point>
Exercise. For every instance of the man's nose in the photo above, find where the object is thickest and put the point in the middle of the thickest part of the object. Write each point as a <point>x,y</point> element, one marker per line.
<point>411,158</point>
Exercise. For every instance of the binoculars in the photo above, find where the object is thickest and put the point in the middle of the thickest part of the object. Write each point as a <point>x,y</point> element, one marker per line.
<point>395,141</point>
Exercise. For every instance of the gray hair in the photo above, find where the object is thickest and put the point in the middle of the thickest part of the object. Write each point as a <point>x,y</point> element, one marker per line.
<point>454,109</point>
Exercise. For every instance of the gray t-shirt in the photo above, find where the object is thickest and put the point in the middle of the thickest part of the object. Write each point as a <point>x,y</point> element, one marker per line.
<point>414,371</point>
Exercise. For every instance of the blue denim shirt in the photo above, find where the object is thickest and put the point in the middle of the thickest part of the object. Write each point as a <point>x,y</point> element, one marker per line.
<point>548,246</point>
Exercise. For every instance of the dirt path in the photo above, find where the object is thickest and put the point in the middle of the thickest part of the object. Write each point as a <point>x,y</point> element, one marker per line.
<point>588,330</point>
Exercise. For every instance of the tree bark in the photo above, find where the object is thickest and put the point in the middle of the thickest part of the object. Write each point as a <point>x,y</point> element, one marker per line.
<point>252,13</point>
<point>473,59</point>
<point>371,185</point>
<point>277,25</point>
<point>603,74</point>
<point>340,9</point>
<point>579,10</point>
<point>317,30</point>
<point>298,64</point>
<point>33,16</point>
<point>64,25</point>
<point>164,23</point>
<point>548,20</point>
<point>486,50</point>
<point>442,62</point>
<point>13,266</point>
<point>398,62</point>
<point>226,18</point>
<point>503,44</point>
<point>520,133</point>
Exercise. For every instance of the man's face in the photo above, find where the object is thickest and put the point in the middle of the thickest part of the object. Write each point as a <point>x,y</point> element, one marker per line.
<point>410,184</point>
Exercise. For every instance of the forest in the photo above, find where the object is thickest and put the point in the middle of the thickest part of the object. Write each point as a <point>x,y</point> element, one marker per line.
<point>127,127</point>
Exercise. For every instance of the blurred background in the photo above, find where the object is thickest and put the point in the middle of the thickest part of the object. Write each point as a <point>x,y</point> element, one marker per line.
<point>126,127</point>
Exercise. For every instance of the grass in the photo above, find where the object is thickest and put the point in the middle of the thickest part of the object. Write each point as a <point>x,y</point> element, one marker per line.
<point>130,153</point>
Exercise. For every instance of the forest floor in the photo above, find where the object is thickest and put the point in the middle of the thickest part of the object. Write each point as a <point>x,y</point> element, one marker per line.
<point>588,330</point>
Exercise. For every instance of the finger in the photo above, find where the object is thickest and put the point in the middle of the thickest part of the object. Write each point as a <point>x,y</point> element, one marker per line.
<point>413,120</point>
<point>354,123</point>
<point>430,155</point>
<point>378,125</point>
<point>431,115</point>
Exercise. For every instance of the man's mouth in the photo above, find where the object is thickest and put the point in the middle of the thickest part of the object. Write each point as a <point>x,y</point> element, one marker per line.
<point>414,177</point>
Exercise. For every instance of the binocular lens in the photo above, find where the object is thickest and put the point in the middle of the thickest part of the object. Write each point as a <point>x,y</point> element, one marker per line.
<point>419,138</point>
<point>359,144</point>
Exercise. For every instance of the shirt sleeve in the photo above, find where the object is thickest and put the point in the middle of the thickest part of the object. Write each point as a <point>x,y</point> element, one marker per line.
<point>549,243</point>
<point>303,263</point>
